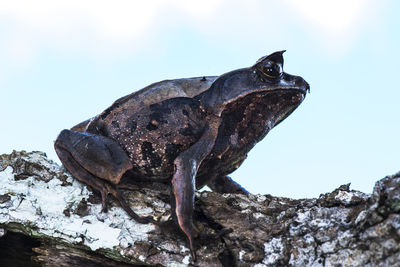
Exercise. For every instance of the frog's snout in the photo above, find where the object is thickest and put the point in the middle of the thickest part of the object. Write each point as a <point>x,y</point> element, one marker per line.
<point>301,83</point>
<point>296,81</point>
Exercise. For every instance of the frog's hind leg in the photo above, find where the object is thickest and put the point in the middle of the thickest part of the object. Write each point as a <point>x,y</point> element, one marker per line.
<point>89,157</point>
<point>99,155</point>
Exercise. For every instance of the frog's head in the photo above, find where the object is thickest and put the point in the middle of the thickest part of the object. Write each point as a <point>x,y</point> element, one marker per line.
<point>265,80</point>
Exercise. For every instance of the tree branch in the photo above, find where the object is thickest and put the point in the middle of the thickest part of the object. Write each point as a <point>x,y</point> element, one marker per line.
<point>48,218</point>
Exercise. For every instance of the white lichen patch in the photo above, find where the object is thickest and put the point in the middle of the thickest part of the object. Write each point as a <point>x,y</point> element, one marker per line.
<point>348,198</point>
<point>274,251</point>
<point>261,198</point>
<point>176,264</point>
<point>302,217</point>
<point>344,238</point>
<point>186,259</point>
<point>42,204</point>
<point>320,223</point>
<point>328,247</point>
<point>142,258</point>
<point>361,216</point>
<point>183,249</point>
<point>2,232</point>
<point>241,254</point>
<point>170,246</point>
<point>258,215</point>
<point>180,263</point>
<point>303,252</point>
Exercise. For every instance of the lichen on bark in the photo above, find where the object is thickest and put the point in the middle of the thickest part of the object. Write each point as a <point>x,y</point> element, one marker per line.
<point>62,221</point>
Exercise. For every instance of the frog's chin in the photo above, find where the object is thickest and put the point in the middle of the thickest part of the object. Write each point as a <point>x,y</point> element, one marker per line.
<point>284,102</point>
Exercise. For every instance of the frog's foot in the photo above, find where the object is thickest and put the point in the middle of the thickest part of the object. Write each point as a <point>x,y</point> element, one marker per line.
<point>224,184</point>
<point>98,162</point>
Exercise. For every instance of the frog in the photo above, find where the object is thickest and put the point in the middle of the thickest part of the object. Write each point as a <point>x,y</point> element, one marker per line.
<point>189,133</point>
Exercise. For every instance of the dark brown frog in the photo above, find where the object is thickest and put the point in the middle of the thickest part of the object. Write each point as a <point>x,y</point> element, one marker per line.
<point>191,132</point>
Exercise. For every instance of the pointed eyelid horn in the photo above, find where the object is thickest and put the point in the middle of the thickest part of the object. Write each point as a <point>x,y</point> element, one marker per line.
<point>276,57</point>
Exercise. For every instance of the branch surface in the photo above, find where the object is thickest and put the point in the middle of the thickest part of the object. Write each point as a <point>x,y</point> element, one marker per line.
<point>48,218</point>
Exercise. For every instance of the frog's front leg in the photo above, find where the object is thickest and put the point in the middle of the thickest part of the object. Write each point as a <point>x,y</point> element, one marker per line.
<point>183,181</point>
<point>97,161</point>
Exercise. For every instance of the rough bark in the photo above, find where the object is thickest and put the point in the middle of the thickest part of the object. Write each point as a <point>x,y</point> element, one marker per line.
<point>47,218</point>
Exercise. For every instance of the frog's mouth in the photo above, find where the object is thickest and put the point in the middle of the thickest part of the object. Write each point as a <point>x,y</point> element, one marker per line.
<point>279,96</point>
<point>298,93</point>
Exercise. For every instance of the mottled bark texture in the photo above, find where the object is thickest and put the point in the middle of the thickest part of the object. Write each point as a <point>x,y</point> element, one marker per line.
<point>47,218</point>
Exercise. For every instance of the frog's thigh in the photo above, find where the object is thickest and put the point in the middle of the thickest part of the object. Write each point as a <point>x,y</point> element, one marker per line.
<point>224,184</point>
<point>99,155</point>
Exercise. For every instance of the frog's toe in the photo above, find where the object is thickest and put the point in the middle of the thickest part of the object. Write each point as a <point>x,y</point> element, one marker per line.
<point>109,189</point>
<point>117,194</point>
<point>103,194</point>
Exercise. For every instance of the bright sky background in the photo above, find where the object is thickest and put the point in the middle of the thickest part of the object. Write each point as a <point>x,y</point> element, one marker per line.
<point>62,62</point>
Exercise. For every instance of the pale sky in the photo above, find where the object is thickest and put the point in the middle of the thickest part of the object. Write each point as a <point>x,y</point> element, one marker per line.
<point>62,62</point>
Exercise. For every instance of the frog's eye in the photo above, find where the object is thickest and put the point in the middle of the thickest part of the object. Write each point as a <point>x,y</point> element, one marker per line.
<point>272,71</point>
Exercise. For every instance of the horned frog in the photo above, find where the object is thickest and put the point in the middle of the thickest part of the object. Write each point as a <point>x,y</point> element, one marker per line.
<point>189,132</point>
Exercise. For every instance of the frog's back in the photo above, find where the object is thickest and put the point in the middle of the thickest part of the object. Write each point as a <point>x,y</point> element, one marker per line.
<point>156,134</point>
<point>156,93</point>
